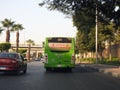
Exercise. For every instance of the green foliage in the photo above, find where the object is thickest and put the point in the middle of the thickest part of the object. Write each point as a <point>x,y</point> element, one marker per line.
<point>88,60</point>
<point>8,25</point>
<point>107,61</point>
<point>117,36</point>
<point>81,42</point>
<point>30,42</point>
<point>113,61</point>
<point>1,30</point>
<point>84,20</point>
<point>106,8</point>
<point>5,46</point>
<point>83,13</point>
<point>22,51</point>
<point>17,27</point>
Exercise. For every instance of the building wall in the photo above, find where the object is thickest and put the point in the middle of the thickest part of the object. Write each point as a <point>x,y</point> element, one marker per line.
<point>115,51</point>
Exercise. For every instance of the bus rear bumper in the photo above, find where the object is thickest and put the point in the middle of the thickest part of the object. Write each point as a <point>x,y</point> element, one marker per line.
<point>59,66</point>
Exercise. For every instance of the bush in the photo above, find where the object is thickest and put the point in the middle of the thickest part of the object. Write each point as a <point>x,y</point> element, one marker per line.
<point>5,46</point>
<point>114,61</point>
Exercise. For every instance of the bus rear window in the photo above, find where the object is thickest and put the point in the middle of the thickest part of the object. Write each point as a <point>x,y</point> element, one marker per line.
<point>59,40</point>
<point>59,43</point>
<point>59,46</point>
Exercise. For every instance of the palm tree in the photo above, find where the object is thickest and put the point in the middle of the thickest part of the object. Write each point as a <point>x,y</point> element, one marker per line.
<point>29,42</point>
<point>17,28</point>
<point>1,30</point>
<point>8,24</point>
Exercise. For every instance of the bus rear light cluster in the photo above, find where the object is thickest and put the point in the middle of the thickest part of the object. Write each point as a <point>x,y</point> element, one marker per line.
<point>46,58</point>
<point>73,59</point>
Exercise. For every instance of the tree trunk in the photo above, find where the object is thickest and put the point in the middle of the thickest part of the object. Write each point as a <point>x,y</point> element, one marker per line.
<point>17,41</point>
<point>110,55</point>
<point>100,54</point>
<point>29,47</point>
<point>7,36</point>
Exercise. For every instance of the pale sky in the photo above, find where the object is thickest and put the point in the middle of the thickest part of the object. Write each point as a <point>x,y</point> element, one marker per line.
<point>38,21</point>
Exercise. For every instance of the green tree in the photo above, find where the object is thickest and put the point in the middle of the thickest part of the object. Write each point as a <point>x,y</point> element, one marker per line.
<point>109,36</point>
<point>29,42</point>
<point>101,40</point>
<point>8,25</point>
<point>22,51</point>
<point>83,13</point>
<point>86,42</point>
<point>117,36</point>
<point>1,30</point>
<point>5,46</point>
<point>17,28</point>
<point>81,42</point>
<point>106,8</point>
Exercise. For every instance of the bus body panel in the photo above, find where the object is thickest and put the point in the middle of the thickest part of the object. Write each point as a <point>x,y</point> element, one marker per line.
<point>55,57</point>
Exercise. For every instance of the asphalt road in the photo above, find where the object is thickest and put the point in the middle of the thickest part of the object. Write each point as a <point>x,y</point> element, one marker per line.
<point>37,78</point>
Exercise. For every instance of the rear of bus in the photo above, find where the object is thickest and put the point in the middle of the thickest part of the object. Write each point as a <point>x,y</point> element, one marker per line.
<point>59,53</point>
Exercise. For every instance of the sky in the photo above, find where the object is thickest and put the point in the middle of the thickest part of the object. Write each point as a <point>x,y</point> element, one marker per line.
<point>38,22</point>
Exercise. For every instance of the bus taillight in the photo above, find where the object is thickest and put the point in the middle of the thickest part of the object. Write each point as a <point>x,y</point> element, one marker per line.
<point>73,59</point>
<point>46,58</point>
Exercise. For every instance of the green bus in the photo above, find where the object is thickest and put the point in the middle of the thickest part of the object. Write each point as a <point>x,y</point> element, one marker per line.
<point>59,52</point>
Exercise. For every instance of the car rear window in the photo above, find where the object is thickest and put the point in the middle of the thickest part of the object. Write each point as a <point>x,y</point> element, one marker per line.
<point>8,55</point>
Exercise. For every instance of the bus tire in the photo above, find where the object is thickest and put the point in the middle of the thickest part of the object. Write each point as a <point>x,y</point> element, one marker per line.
<point>48,69</point>
<point>69,69</point>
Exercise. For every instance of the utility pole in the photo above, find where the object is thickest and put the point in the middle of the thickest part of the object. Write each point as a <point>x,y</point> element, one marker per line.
<point>96,20</point>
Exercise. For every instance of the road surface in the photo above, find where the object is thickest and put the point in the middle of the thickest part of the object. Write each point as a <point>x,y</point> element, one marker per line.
<point>37,78</point>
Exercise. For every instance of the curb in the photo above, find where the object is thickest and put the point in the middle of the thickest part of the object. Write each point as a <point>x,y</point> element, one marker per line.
<point>110,70</point>
<point>107,71</point>
<point>111,73</point>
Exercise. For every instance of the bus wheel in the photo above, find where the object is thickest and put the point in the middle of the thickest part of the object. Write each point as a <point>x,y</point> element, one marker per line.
<point>48,69</point>
<point>69,69</point>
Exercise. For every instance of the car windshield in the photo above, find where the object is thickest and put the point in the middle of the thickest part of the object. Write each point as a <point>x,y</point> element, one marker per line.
<point>8,55</point>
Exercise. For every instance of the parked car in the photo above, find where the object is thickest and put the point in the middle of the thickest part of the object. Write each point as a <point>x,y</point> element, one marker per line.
<point>12,62</point>
<point>37,59</point>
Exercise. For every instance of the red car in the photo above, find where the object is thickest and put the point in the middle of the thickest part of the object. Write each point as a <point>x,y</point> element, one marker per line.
<point>12,62</point>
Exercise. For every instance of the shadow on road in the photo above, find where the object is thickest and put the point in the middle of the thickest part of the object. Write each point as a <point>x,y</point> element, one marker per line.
<point>59,71</point>
<point>77,69</point>
<point>11,74</point>
<point>82,69</point>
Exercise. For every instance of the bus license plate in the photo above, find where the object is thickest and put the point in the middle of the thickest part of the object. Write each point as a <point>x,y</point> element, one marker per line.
<point>59,65</point>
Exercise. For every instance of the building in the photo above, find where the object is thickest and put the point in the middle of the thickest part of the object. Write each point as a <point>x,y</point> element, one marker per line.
<point>34,50</point>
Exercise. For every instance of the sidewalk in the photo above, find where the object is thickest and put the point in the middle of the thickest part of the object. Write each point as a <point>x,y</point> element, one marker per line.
<point>106,69</point>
